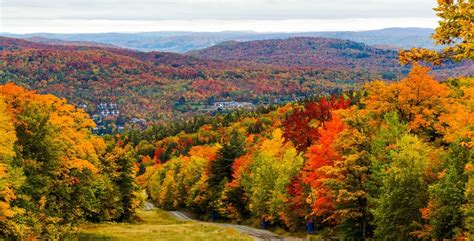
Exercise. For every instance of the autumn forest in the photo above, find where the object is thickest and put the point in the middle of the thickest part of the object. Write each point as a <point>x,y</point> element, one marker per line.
<point>317,138</point>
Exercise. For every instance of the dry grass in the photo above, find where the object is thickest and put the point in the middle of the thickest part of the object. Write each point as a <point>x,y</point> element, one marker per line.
<point>158,225</point>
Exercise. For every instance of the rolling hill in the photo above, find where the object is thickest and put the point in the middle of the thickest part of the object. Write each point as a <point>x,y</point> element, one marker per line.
<point>320,53</point>
<point>304,52</point>
<point>43,40</point>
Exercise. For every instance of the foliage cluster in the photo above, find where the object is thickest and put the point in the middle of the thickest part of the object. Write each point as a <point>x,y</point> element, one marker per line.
<point>54,173</point>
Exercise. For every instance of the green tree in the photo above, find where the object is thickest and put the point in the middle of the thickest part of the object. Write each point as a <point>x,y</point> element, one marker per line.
<point>221,167</point>
<point>447,195</point>
<point>469,206</point>
<point>270,174</point>
<point>125,181</point>
<point>403,192</point>
<point>352,207</point>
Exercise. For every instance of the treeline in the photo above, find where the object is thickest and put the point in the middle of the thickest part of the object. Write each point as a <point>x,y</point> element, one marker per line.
<point>54,174</point>
<point>396,164</point>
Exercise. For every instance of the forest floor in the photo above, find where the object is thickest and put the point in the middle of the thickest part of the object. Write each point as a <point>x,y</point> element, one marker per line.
<point>159,225</point>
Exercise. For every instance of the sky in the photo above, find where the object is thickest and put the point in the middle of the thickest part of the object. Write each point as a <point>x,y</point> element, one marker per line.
<point>93,16</point>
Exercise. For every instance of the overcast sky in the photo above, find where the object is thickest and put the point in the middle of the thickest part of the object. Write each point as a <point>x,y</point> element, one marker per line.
<point>26,16</point>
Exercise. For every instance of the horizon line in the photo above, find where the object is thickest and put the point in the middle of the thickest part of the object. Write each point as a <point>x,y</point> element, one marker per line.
<point>213,26</point>
<point>220,31</point>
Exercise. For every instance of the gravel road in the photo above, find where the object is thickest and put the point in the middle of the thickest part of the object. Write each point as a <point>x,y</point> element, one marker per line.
<point>255,233</point>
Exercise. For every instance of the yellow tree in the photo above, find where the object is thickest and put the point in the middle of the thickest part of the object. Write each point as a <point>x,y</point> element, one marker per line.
<point>455,31</point>
<point>59,157</point>
<point>458,121</point>
<point>10,178</point>
<point>269,175</point>
<point>418,99</point>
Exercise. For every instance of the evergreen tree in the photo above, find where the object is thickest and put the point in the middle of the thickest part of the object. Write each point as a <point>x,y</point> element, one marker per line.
<point>222,167</point>
<point>126,183</point>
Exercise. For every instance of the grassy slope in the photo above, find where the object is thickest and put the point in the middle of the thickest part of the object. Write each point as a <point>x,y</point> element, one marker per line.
<point>158,225</point>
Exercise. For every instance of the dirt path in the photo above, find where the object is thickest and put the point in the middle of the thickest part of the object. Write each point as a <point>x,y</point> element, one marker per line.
<point>257,234</point>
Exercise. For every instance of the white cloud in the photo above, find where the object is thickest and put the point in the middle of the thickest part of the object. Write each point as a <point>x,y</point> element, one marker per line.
<point>295,25</point>
<point>202,15</point>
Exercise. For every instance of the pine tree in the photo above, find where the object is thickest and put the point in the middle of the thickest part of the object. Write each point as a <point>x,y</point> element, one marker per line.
<point>126,183</point>
<point>221,168</point>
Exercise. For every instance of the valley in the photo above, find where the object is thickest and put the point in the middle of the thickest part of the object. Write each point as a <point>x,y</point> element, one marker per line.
<point>156,87</point>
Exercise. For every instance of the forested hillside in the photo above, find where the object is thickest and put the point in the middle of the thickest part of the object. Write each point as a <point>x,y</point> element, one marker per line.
<point>391,161</point>
<point>160,86</point>
<point>323,53</point>
<point>314,52</point>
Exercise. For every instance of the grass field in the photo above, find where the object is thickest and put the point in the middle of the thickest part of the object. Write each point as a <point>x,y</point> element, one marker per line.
<point>158,225</point>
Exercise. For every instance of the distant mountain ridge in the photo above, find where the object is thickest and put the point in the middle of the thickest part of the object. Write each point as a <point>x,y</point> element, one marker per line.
<point>319,53</point>
<point>304,52</point>
<point>50,41</point>
<point>180,42</point>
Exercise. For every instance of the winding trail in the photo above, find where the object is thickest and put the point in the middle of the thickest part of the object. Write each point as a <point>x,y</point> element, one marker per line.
<point>255,233</point>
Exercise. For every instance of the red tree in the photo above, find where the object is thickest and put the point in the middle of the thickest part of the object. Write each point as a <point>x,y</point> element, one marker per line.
<point>321,159</point>
<point>301,127</point>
